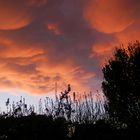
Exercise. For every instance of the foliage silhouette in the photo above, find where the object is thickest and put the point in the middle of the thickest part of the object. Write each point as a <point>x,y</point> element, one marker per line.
<point>121,86</point>
<point>33,127</point>
<point>56,119</point>
<point>103,130</point>
<point>81,110</point>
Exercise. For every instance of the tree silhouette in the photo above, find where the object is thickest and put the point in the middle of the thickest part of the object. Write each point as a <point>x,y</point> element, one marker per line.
<point>121,85</point>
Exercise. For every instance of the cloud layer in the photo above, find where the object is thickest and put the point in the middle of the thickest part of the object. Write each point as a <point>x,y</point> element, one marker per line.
<point>47,41</point>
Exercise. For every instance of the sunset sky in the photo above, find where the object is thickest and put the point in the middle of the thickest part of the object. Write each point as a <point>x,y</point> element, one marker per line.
<point>65,41</point>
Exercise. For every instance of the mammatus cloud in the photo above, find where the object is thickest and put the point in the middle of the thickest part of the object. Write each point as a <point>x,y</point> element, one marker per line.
<point>111,16</point>
<point>18,14</point>
<point>13,15</point>
<point>117,20</point>
<point>47,41</point>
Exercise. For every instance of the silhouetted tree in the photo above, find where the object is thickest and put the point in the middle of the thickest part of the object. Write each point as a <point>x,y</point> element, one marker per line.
<point>121,85</point>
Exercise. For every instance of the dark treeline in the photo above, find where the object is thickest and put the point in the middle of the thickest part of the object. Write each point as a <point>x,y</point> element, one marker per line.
<point>41,127</point>
<point>113,116</point>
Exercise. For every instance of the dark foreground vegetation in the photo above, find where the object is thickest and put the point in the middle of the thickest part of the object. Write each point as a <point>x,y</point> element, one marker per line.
<point>41,127</point>
<point>113,116</point>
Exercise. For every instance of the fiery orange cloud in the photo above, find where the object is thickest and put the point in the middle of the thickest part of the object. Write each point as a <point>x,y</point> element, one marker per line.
<point>54,28</point>
<point>38,79</point>
<point>26,67</point>
<point>118,19</point>
<point>22,52</point>
<point>13,16</point>
<point>131,34</point>
<point>47,41</point>
<point>14,49</point>
<point>109,16</point>
<point>103,49</point>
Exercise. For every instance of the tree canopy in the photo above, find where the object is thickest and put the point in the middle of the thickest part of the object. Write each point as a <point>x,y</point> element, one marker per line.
<point>121,84</point>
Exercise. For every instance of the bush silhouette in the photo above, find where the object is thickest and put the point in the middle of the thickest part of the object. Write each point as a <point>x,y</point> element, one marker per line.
<point>121,85</point>
<point>52,120</point>
<point>36,127</point>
